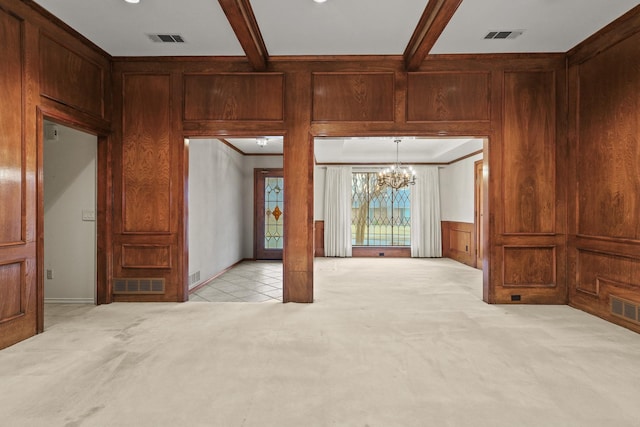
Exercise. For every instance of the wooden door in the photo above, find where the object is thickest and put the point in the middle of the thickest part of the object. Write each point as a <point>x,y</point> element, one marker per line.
<point>479,213</point>
<point>269,213</point>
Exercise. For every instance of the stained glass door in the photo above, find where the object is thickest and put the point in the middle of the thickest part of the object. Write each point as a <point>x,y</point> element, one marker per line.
<point>269,213</point>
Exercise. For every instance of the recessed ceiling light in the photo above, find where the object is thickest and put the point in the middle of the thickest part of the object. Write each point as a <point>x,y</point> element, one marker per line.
<point>132,1</point>
<point>319,1</point>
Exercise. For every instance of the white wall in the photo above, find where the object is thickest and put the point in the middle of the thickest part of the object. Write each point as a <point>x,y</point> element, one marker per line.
<point>69,241</point>
<point>457,190</point>
<point>220,206</point>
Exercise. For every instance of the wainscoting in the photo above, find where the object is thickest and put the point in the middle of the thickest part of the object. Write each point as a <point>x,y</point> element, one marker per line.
<point>458,242</point>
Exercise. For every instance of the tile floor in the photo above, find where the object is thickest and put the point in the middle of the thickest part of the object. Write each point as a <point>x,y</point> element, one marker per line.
<point>249,281</point>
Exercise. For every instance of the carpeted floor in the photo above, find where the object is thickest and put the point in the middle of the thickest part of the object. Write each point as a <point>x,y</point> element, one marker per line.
<point>393,342</point>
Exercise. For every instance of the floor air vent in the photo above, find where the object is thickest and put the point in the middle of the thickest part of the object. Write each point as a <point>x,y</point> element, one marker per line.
<point>138,286</point>
<point>625,309</point>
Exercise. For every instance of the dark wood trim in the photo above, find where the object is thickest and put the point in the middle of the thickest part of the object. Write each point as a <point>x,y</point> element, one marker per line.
<point>375,251</point>
<point>618,30</point>
<point>433,21</point>
<point>413,164</point>
<point>230,145</point>
<point>244,24</point>
<point>318,238</point>
<point>103,206</point>
<point>214,277</point>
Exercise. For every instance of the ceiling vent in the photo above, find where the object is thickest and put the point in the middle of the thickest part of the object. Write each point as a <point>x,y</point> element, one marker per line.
<point>503,35</point>
<point>166,38</point>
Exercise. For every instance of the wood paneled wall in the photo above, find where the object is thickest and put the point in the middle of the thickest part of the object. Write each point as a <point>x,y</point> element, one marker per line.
<point>458,242</point>
<point>67,80</point>
<point>518,102</point>
<point>604,190</point>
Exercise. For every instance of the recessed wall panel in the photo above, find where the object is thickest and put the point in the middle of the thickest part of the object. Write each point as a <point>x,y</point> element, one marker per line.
<point>146,256</point>
<point>353,97</point>
<point>11,285</point>
<point>70,78</point>
<point>529,266</point>
<point>608,146</point>
<point>11,137</point>
<point>528,152</point>
<point>146,154</point>
<point>447,97</point>
<point>244,97</point>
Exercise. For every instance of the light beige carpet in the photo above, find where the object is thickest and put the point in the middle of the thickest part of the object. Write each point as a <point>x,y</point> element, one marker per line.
<point>388,342</point>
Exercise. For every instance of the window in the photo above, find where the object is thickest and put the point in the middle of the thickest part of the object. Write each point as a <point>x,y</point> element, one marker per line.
<point>379,217</point>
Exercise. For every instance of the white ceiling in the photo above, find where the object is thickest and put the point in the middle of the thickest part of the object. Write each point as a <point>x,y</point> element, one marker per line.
<point>339,27</point>
<point>373,150</point>
<point>302,27</point>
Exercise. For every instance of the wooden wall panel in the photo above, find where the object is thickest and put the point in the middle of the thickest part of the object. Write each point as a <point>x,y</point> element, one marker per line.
<point>12,191</point>
<point>529,181</point>
<point>608,143</point>
<point>601,275</point>
<point>604,190</point>
<point>70,78</point>
<point>12,291</point>
<point>244,97</point>
<point>146,154</point>
<point>146,256</point>
<point>358,97</point>
<point>453,96</point>
<point>529,266</point>
<point>318,239</point>
<point>458,242</point>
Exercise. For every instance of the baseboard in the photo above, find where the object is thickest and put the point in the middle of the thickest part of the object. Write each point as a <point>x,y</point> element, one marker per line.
<point>215,276</point>
<point>69,301</point>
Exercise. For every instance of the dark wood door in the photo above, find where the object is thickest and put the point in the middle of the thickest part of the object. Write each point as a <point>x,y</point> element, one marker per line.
<point>269,213</point>
<point>479,213</point>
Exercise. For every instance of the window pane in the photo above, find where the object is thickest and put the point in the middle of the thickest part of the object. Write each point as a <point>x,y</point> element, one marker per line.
<point>273,212</point>
<point>379,216</point>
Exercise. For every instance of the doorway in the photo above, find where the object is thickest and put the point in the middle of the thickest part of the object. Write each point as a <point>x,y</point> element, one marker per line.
<point>70,163</point>
<point>221,208</point>
<point>269,213</point>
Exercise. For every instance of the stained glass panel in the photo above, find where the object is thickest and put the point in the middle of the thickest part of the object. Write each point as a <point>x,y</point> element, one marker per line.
<point>379,216</point>
<point>273,212</point>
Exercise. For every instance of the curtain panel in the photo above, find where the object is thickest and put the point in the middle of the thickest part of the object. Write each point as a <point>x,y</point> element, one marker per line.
<point>426,231</point>
<point>337,211</point>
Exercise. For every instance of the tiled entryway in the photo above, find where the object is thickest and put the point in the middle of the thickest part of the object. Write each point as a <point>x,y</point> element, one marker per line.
<point>249,281</point>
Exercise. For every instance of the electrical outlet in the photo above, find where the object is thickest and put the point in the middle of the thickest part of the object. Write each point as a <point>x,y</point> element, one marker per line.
<point>49,274</point>
<point>88,215</point>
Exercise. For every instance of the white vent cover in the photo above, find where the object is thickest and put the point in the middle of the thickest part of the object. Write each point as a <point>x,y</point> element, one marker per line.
<point>166,38</point>
<point>503,34</point>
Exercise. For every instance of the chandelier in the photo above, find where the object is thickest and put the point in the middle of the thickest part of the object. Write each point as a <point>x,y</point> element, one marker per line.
<point>397,176</point>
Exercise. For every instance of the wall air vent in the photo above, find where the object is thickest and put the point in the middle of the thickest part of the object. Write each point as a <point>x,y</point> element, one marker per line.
<point>138,286</point>
<point>625,309</point>
<point>503,34</point>
<point>166,38</point>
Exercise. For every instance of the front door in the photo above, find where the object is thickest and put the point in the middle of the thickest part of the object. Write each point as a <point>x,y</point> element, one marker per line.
<point>269,213</point>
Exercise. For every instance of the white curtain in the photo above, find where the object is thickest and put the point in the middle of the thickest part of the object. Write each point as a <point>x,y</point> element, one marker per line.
<point>337,211</point>
<point>426,235</point>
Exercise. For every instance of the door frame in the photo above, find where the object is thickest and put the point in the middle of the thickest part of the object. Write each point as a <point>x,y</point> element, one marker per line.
<point>258,222</point>
<point>103,205</point>
<point>478,169</point>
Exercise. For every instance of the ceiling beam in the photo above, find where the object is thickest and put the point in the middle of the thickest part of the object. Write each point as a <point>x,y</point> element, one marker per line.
<point>243,21</point>
<point>434,19</point>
